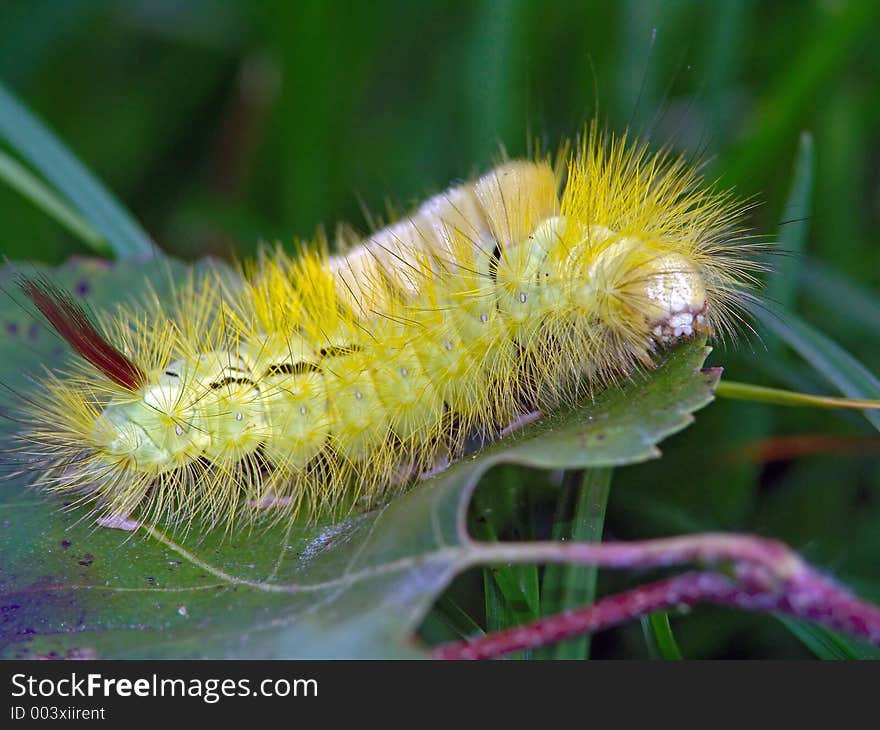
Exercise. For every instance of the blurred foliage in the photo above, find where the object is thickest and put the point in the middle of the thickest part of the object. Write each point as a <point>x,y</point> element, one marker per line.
<point>224,123</point>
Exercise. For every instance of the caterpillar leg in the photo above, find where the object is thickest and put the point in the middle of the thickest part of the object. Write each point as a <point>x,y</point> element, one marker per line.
<point>519,422</point>
<point>118,523</point>
<point>409,472</point>
<point>270,501</point>
<point>441,464</point>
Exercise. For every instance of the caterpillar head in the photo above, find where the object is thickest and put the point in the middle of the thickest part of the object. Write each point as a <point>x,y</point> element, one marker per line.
<point>648,287</point>
<point>645,290</point>
<point>206,406</point>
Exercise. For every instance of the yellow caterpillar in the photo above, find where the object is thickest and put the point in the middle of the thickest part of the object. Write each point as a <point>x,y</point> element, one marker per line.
<point>328,379</point>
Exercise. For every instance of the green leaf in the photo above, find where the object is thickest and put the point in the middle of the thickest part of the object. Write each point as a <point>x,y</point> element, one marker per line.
<point>356,588</point>
<point>32,140</point>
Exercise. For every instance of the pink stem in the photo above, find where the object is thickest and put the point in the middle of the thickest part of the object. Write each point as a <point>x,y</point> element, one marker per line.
<point>705,548</point>
<point>763,580</point>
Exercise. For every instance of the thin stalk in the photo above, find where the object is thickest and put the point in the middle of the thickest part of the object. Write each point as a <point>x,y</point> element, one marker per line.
<point>760,394</point>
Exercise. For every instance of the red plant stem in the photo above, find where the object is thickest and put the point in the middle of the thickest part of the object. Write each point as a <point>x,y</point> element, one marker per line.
<point>813,598</point>
<point>767,576</point>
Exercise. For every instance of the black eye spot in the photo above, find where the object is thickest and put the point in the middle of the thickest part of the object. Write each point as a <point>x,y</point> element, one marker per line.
<point>339,351</point>
<point>494,260</point>
<point>292,368</point>
<point>229,380</point>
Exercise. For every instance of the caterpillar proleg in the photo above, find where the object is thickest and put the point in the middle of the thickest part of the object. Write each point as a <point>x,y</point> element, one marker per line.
<point>325,379</point>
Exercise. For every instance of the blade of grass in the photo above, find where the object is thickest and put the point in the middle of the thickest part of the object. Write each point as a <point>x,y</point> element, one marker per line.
<point>28,136</point>
<point>658,636</point>
<point>511,591</point>
<point>496,71</point>
<point>580,516</point>
<point>23,181</point>
<point>457,619</point>
<point>795,226</point>
<point>827,644</point>
<point>798,85</point>
<point>824,355</point>
<point>852,302</point>
<point>728,28</point>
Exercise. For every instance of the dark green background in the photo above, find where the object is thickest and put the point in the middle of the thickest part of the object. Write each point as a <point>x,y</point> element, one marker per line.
<point>221,124</point>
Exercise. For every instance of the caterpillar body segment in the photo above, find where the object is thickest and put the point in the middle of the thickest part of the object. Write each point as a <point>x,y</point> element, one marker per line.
<point>329,379</point>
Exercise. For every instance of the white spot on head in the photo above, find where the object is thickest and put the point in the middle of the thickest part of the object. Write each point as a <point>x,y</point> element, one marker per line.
<point>674,286</point>
<point>681,320</point>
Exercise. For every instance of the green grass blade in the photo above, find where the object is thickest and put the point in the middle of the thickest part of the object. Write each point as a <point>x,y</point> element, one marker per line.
<point>28,136</point>
<point>495,90</point>
<point>851,302</point>
<point>826,644</point>
<point>580,516</point>
<point>799,84</point>
<point>457,619</point>
<point>510,591</point>
<point>728,29</point>
<point>658,636</point>
<point>824,355</point>
<point>795,227</point>
<point>23,181</point>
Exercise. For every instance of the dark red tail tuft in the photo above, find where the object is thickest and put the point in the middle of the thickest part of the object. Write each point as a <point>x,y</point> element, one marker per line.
<point>72,323</point>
